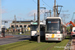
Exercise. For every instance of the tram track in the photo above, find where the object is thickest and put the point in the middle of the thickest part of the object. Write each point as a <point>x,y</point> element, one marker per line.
<point>40,46</point>
<point>45,45</point>
<point>33,45</point>
<point>51,46</point>
<point>26,43</point>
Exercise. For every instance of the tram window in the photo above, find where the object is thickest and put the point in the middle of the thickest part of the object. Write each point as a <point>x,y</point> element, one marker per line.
<point>24,25</point>
<point>53,25</point>
<point>12,26</point>
<point>74,30</point>
<point>42,28</point>
<point>61,29</point>
<point>34,27</point>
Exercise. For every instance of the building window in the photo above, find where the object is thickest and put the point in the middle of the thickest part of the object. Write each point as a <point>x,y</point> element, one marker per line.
<point>16,25</point>
<point>20,25</point>
<point>29,26</point>
<point>24,25</point>
<point>12,26</point>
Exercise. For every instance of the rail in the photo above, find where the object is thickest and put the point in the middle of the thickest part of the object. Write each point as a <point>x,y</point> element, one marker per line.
<point>68,46</point>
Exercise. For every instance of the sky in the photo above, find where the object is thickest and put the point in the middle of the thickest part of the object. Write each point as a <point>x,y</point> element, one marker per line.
<point>25,9</point>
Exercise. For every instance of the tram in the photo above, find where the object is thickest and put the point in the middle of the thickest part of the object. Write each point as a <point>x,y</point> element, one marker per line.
<point>34,27</point>
<point>55,30</point>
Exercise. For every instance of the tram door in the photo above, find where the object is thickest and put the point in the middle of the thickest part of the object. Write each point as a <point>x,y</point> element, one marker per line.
<point>42,32</point>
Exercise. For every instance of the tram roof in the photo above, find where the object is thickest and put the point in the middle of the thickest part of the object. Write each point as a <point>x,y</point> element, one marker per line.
<point>53,17</point>
<point>41,23</point>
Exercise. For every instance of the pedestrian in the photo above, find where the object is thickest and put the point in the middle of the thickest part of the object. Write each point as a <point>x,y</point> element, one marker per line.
<point>3,32</point>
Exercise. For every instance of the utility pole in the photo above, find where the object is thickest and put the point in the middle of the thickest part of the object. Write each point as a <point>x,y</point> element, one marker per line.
<point>50,13</point>
<point>54,8</point>
<point>15,22</point>
<point>38,19</point>
<point>34,17</point>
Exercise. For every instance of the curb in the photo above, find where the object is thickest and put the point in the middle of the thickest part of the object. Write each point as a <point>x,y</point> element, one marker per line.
<point>68,45</point>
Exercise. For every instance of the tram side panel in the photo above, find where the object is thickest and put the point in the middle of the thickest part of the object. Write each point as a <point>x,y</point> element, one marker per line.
<point>42,33</point>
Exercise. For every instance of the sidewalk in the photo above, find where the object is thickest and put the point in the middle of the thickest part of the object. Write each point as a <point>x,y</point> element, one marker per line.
<point>6,37</point>
<point>73,44</point>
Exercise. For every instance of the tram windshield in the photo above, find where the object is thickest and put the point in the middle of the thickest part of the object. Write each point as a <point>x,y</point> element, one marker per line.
<point>34,27</point>
<point>53,25</point>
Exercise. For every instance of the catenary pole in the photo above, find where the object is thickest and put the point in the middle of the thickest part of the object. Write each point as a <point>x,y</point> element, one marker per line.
<point>38,19</point>
<point>54,8</point>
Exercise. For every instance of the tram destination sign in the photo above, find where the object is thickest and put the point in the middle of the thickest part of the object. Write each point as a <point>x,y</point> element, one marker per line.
<point>34,23</point>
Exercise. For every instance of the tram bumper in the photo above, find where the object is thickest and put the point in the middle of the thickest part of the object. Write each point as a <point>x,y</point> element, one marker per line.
<point>53,39</point>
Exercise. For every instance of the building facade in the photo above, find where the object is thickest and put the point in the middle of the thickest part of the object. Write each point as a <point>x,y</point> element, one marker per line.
<point>20,24</point>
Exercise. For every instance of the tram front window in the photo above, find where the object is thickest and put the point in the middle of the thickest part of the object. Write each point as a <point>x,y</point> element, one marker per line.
<point>34,27</point>
<point>53,25</point>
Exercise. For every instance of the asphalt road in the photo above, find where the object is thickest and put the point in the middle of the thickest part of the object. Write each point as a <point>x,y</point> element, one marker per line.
<point>16,38</point>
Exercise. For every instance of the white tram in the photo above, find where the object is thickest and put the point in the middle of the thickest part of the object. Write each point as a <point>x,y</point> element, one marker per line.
<point>55,30</point>
<point>34,27</point>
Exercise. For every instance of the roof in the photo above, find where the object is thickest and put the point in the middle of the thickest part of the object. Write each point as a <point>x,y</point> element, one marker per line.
<point>22,21</point>
<point>53,17</point>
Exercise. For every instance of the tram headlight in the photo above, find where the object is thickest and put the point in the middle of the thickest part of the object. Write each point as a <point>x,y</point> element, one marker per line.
<point>58,32</point>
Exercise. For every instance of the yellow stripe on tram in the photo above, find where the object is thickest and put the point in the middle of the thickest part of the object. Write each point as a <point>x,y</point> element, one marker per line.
<point>52,36</point>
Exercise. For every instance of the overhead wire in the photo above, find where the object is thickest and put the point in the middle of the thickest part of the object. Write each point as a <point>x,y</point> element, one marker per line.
<point>46,4</point>
<point>34,1</point>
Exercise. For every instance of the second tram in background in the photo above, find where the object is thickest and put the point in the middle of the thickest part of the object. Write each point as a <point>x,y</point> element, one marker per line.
<point>55,29</point>
<point>34,27</point>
